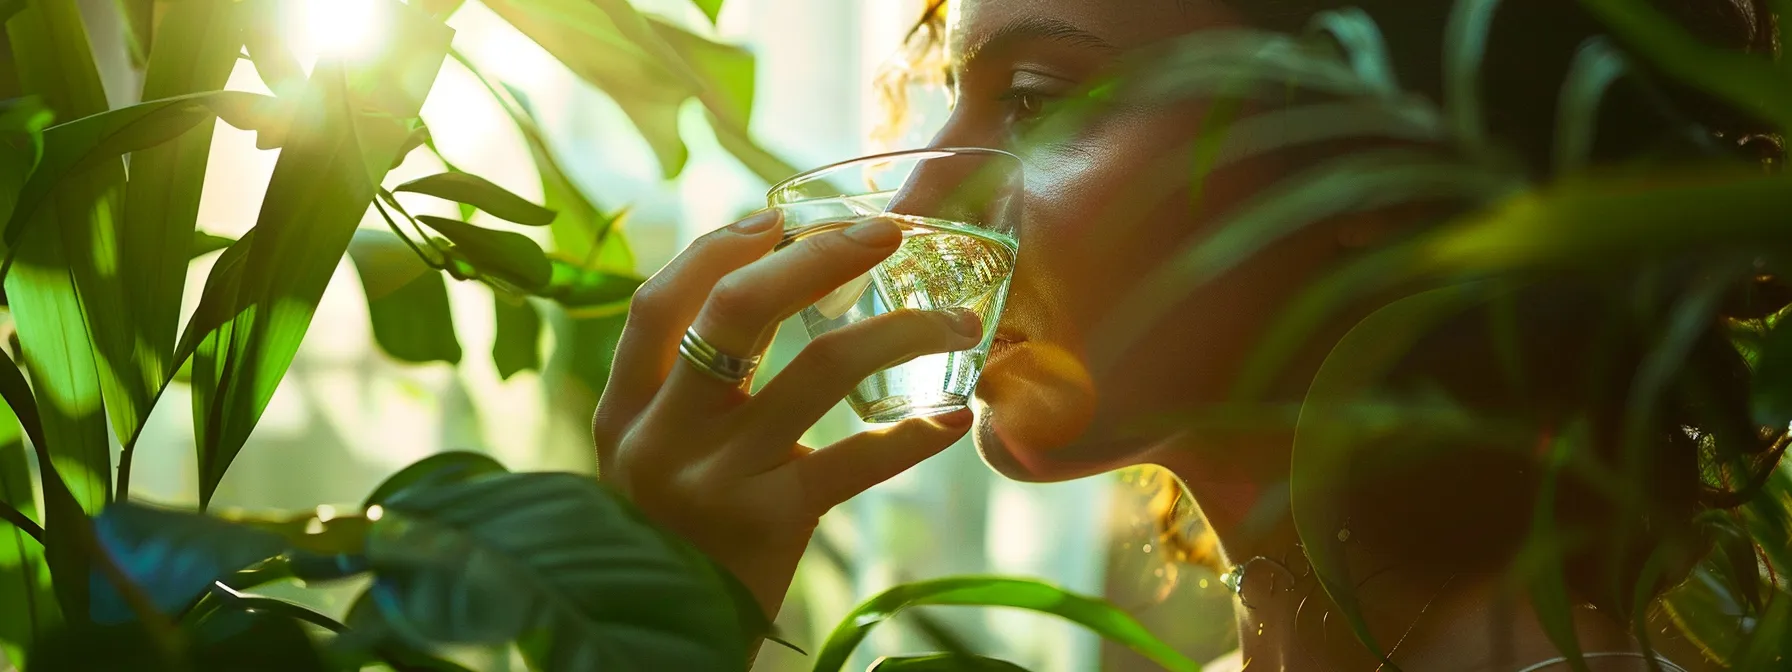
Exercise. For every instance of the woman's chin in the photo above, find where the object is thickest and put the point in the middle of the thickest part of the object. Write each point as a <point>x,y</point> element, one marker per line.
<point>1035,404</point>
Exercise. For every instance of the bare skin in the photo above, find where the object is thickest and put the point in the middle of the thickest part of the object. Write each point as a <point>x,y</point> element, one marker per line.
<point>725,470</point>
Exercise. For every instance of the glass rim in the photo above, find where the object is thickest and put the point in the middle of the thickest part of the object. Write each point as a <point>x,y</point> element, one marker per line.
<point>922,154</point>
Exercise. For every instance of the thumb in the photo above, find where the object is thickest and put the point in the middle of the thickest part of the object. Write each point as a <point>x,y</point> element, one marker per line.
<point>835,474</point>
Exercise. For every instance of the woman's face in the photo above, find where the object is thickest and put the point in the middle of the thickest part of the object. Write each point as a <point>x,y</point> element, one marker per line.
<point>1103,208</point>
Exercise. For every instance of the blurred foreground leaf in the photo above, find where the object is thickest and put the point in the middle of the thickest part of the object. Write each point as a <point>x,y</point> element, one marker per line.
<point>558,562</point>
<point>1099,616</point>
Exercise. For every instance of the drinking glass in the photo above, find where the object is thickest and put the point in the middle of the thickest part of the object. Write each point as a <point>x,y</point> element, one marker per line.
<point>959,209</point>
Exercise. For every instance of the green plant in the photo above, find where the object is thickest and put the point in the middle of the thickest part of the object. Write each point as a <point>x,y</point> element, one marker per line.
<point>95,259</point>
<point>461,552</point>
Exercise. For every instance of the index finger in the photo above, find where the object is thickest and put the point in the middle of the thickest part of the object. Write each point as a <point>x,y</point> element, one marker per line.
<point>666,304</point>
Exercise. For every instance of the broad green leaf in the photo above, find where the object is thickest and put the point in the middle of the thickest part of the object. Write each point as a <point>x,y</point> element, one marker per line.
<point>1465,47</point>
<point>482,194</point>
<point>943,662</point>
<point>559,561</point>
<point>587,37</point>
<point>355,121</point>
<point>517,346</point>
<point>511,257</point>
<point>406,299</point>
<point>711,8</point>
<point>27,603</point>
<point>1707,613</point>
<point>1327,441</point>
<point>725,74</point>
<point>1105,619</point>
<point>52,54</point>
<point>173,555</point>
<point>261,634</point>
<point>433,471</point>
<point>198,45</point>
<point>1595,67</point>
<point>216,304</point>
<point>1770,400</point>
<point>1752,83</point>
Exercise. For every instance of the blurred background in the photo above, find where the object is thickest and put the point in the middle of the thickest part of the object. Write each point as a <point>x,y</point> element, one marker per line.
<point>347,414</point>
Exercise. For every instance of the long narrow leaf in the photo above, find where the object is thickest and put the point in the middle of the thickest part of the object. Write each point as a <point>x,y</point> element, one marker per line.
<point>482,194</point>
<point>1099,616</point>
<point>198,46</point>
<point>1596,65</point>
<point>1751,83</point>
<point>27,603</point>
<point>1465,40</point>
<point>324,181</point>
<point>54,62</point>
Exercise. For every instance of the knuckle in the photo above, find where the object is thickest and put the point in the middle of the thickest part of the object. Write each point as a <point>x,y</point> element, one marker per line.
<point>647,302</point>
<point>733,299</point>
<point>832,351</point>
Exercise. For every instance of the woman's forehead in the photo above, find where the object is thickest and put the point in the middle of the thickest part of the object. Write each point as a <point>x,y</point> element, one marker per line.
<point>1122,24</point>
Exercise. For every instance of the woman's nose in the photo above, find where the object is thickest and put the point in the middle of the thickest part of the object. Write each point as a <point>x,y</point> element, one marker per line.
<point>979,188</point>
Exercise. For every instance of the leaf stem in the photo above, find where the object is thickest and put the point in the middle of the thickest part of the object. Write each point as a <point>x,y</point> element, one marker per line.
<point>21,521</point>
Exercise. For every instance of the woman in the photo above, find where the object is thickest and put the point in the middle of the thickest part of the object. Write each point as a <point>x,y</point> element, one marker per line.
<point>1430,540</point>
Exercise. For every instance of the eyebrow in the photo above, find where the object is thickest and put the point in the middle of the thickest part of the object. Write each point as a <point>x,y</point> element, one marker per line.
<point>1035,27</point>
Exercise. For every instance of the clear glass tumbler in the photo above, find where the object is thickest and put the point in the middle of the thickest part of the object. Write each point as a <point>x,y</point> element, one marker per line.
<point>960,213</point>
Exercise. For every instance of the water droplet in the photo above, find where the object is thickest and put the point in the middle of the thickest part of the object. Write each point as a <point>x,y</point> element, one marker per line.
<point>1259,629</point>
<point>1344,534</point>
<point>1147,548</point>
<point>1159,572</point>
<point>375,512</point>
<point>1203,583</point>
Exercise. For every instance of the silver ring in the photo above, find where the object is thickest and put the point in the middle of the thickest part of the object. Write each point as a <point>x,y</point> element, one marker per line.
<point>721,366</point>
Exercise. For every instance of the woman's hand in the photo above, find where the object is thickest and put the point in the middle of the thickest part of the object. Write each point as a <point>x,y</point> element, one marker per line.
<point>722,467</point>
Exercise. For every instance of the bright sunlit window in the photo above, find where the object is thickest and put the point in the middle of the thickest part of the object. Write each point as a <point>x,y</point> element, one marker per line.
<point>345,29</point>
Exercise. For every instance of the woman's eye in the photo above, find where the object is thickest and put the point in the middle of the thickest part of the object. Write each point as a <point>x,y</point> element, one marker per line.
<point>1023,105</point>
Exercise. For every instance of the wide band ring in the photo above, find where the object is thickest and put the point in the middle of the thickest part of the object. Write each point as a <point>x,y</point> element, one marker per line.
<point>735,371</point>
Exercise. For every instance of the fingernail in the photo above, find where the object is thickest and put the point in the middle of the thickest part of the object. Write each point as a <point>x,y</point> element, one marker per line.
<point>965,322</point>
<point>876,232</point>
<point>758,222</point>
<point>958,419</point>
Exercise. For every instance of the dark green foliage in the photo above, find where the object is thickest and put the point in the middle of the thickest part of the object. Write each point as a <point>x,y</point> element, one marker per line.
<point>557,563</point>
